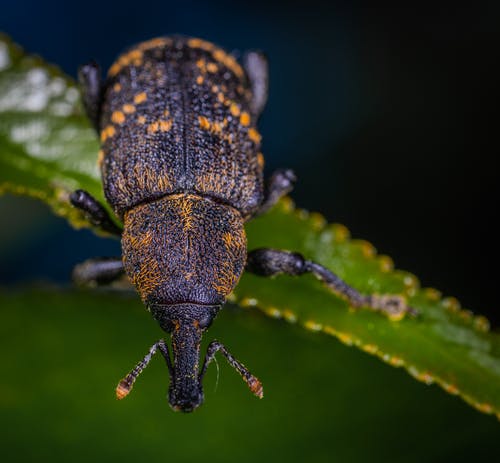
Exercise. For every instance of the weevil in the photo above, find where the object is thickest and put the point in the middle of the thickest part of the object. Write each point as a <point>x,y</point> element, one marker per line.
<point>182,168</point>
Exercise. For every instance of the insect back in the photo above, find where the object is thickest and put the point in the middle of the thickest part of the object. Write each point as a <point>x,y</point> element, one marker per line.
<point>180,165</point>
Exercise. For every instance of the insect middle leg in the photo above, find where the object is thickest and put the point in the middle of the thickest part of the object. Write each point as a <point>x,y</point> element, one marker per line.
<point>270,262</point>
<point>98,271</point>
<point>95,211</point>
<point>278,185</point>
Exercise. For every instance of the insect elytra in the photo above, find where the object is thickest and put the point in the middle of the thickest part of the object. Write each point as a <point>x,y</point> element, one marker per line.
<point>182,168</point>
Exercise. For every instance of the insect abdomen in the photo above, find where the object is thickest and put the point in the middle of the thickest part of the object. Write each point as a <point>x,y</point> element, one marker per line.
<point>176,118</point>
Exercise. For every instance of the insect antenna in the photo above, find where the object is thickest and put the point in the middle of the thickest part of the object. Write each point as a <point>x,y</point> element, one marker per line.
<point>252,381</point>
<point>127,383</point>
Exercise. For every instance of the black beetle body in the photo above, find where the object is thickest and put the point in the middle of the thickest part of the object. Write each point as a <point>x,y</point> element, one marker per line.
<point>181,166</point>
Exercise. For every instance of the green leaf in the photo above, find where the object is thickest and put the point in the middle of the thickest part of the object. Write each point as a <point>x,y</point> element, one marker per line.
<point>48,147</point>
<point>47,150</point>
<point>62,354</point>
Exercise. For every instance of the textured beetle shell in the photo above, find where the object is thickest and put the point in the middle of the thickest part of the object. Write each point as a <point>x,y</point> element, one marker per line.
<point>184,249</point>
<point>176,119</point>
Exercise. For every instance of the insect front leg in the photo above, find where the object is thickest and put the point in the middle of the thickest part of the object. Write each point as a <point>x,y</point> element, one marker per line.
<point>95,211</point>
<point>270,262</point>
<point>278,185</point>
<point>99,271</point>
<point>256,67</point>
<point>89,78</point>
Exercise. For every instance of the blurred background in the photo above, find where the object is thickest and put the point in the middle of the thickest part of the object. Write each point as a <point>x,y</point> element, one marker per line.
<point>385,114</point>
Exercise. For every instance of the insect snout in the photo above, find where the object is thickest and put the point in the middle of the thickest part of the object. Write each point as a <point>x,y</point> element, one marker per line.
<point>185,401</point>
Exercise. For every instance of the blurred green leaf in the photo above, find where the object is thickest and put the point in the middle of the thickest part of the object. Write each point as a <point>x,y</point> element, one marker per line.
<point>48,147</point>
<point>47,150</point>
<point>62,354</point>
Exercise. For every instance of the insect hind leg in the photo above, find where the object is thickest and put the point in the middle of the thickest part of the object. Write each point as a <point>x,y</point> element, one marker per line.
<point>271,262</point>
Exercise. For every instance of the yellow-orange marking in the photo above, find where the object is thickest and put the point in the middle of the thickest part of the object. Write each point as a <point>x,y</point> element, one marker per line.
<point>100,157</point>
<point>204,122</point>
<point>260,160</point>
<point>212,67</point>
<point>199,80</point>
<point>128,108</point>
<point>227,60</point>
<point>201,64</point>
<point>153,127</point>
<point>118,117</point>
<point>160,126</point>
<point>117,87</point>
<point>141,120</point>
<point>234,109</point>
<point>154,43</point>
<point>165,125</point>
<point>254,135</point>
<point>199,43</point>
<point>133,57</point>
<point>140,98</point>
<point>107,132</point>
<point>186,213</point>
<point>245,119</point>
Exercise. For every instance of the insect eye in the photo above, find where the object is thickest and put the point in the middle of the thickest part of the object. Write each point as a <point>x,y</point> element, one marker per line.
<point>206,321</point>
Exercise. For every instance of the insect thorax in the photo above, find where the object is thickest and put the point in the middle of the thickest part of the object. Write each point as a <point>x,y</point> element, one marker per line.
<point>184,249</point>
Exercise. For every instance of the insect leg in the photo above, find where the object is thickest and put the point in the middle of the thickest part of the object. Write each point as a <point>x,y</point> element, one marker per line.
<point>95,211</point>
<point>278,185</point>
<point>98,271</point>
<point>253,383</point>
<point>256,67</point>
<point>270,262</point>
<point>89,77</point>
<point>127,383</point>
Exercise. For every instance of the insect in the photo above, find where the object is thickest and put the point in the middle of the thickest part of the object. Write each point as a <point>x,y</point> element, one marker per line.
<point>182,168</point>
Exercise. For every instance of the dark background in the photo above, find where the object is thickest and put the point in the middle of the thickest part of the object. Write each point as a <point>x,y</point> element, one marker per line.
<point>387,116</point>
<point>384,113</point>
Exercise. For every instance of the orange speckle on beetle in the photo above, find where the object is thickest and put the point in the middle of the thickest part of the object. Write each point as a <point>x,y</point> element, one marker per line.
<point>128,108</point>
<point>159,126</point>
<point>118,117</point>
<point>108,132</point>
<point>141,120</point>
<point>153,127</point>
<point>199,80</point>
<point>260,160</point>
<point>234,109</point>
<point>212,67</point>
<point>245,119</point>
<point>165,125</point>
<point>199,43</point>
<point>117,87</point>
<point>140,98</point>
<point>227,60</point>
<point>100,157</point>
<point>254,135</point>
<point>204,122</point>
<point>155,43</point>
